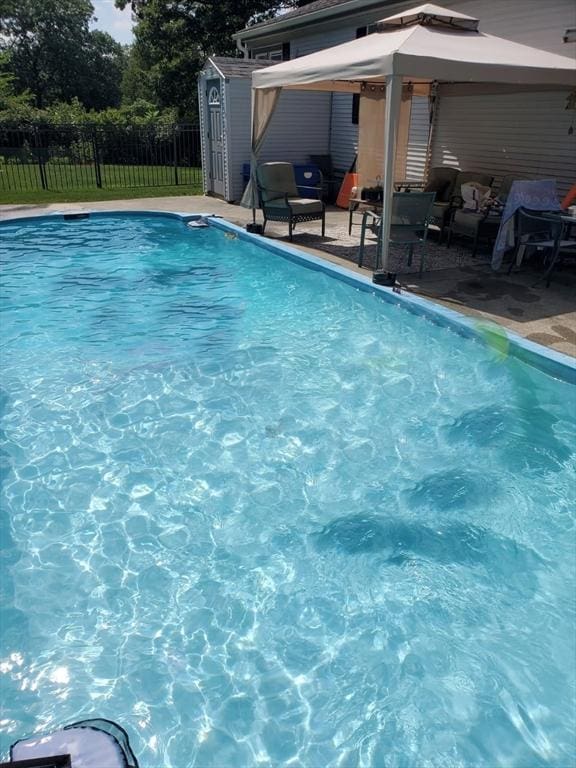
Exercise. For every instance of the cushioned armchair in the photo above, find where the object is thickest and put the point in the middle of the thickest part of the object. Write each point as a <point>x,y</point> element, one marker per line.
<point>279,200</point>
<point>441,181</point>
<point>480,225</point>
<point>450,197</point>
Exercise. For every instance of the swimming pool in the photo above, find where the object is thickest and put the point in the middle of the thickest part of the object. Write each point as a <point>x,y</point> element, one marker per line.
<point>262,517</point>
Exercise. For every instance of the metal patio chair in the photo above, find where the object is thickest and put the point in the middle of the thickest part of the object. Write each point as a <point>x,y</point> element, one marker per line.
<point>451,198</point>
<point>480,225</point>
<point>279,198</point>
<point>540,231</point>
<point>411,213</point>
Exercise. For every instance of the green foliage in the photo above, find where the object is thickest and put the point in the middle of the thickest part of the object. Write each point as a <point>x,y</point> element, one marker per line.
<point>9,99</point>
<point>136,80</point>
<point>53,54</point>
<point>173,40</point>
<point>141,113</point>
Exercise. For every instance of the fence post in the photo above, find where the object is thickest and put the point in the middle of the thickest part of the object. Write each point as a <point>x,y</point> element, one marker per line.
<point>175,153</point>
<point>97,169</point>
<point>41,168</point>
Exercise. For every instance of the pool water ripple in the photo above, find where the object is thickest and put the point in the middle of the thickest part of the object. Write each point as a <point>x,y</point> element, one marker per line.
<point>263,518</point>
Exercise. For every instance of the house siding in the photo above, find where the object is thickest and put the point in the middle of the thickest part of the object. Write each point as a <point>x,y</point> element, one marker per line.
<point>298,114</point>
<point>418,139</point>
<point>539,23</point>
<point>239,90</point>
<point>506,134</point>
<point>531,22</point>
<point>299,127</point>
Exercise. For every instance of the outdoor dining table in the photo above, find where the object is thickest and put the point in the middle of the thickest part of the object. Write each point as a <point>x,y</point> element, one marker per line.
<point>360,204</point>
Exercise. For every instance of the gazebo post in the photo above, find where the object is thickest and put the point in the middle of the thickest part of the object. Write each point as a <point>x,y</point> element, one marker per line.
<point>393,99</point>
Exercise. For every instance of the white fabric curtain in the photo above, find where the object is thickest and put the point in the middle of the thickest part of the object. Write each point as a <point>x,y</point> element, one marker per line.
<point>264,102</point>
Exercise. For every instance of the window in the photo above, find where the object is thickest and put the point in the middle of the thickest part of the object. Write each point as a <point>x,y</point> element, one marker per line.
<point>276,53</point>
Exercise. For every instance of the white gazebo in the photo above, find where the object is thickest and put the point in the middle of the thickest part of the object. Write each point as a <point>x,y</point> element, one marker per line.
<point>416,49</point>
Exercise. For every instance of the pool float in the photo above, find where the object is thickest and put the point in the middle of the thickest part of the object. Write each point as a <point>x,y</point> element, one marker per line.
<point>86,744</point>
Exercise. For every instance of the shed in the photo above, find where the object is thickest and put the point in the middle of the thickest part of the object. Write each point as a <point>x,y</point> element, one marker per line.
<point>224,99</point>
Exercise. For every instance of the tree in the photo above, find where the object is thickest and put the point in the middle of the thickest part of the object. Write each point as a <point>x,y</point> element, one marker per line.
<point>12,103</point>
<point>136,80</point>
<point>173,39</point>
<point>55,56</point>
<point>103,64</point>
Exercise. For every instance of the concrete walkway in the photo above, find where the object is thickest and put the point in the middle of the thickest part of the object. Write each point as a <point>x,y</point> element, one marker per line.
<point>544,315</point>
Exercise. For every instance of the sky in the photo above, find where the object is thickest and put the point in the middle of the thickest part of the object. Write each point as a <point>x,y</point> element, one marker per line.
<point>110,19</point>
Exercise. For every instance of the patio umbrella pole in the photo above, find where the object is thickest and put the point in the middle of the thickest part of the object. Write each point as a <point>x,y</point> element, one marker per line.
<point>393,99</point>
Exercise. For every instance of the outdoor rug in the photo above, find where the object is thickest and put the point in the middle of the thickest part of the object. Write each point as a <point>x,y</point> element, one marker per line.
<point>339,243</point>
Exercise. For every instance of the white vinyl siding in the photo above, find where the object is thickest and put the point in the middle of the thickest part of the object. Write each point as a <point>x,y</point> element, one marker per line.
<point>238,144</point>
<point>343,134</point>
<point>344,141</point>
<point>524,133</point>
<point>539,23</point>
<point>417,139</point>
<point>497,134</point>
<point>299,128</point>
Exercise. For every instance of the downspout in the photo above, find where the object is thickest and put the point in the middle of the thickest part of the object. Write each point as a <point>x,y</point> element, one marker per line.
<point>242,48</point>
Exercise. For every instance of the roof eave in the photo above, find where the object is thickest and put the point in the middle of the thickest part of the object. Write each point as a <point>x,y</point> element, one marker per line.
<point>324,13</point>
<point>213,63</point>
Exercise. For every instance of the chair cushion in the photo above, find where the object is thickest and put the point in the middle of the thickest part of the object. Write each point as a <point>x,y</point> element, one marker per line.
<point>305,206</point>
<point>439,186</point>
<point>443,174</point>
<point>465,177</point>
<point>276,179</point>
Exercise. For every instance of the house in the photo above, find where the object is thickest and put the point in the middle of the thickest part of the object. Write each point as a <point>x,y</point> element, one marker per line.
<point>523,132</point>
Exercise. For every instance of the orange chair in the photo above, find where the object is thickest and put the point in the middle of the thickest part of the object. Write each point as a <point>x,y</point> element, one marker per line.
<point>570,198</point>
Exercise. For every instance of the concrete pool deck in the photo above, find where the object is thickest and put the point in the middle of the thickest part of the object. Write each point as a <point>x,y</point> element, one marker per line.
<point>543,315</point>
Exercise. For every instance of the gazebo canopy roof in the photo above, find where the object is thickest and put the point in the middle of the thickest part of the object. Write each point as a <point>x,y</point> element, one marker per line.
<point>429,14</point>
<point>426,43</point>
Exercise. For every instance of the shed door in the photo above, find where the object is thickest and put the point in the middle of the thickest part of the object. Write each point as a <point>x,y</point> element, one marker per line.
<point>215,139</point>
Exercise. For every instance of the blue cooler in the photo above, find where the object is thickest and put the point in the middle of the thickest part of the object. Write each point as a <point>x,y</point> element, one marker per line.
<point>307,175</point>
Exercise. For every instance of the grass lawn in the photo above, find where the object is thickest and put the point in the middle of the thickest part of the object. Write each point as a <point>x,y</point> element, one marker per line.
<point>77,183</point>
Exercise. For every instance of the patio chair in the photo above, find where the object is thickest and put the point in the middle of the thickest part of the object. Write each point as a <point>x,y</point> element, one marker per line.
<point>441,181</point>
<point>480,225</point>
<point>411,213</point>
<point>539,231</point>
<point>330,181</point>
<point>564,245</point>
<point>452,198</point>
<point>279,200</point>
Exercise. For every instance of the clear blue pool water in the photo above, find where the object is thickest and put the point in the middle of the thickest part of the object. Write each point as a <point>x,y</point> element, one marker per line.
<point>262,518</point>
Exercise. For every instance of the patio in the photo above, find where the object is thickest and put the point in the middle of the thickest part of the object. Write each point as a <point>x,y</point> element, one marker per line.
<point>452,278</point>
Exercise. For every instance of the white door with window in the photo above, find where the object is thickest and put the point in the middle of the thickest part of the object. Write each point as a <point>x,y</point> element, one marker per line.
<point>215,138</point>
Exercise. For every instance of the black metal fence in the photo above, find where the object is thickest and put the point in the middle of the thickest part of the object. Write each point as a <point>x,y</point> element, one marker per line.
<point>67,157</point>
